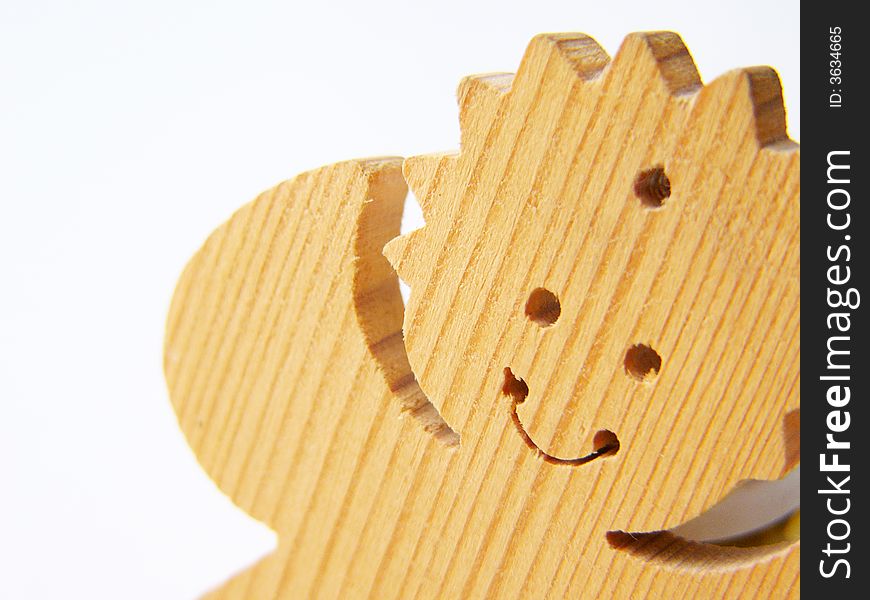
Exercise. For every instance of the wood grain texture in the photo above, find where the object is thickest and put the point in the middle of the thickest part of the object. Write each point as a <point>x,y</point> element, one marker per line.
<point>662,216</point>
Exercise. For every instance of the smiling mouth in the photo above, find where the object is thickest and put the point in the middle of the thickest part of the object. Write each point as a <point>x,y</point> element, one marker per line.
<point>605,443</point>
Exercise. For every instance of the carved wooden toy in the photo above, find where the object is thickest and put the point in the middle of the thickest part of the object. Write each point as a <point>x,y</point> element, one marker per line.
<point>601,341</point>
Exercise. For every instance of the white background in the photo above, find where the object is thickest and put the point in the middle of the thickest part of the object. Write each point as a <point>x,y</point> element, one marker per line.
<point>128,131</point>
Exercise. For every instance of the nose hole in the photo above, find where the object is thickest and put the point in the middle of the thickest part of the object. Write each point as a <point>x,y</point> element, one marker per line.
<point>642,362</point>
<point>543,307</point>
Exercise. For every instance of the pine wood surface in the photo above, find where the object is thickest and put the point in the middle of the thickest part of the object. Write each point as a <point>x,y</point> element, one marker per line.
<point>504,445</point>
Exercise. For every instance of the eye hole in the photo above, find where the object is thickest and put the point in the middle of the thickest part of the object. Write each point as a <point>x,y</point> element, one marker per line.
<point>642,362</point>
<point>653,187</point>
<point>543,308</point>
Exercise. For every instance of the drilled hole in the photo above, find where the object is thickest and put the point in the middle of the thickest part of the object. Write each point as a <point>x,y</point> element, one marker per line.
<point>543,307</point>
<point>605,443</point>
<point>642,362</point>
<point>653,187</point>
<point>514,387</point>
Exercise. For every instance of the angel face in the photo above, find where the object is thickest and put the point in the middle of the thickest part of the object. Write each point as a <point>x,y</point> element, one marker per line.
<point>604,306</point>
<point>609,266</point>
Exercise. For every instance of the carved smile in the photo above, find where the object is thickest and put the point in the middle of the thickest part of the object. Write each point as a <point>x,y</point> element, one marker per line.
<point>605,443</point>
